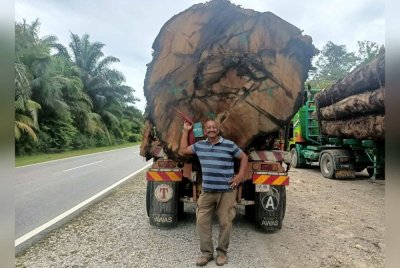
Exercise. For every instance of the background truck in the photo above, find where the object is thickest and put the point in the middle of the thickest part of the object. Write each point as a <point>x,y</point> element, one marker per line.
<point>216,61</point>
<point>342,128</point>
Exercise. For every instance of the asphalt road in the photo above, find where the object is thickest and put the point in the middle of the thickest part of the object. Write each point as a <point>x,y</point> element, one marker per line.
<point>44,191</point>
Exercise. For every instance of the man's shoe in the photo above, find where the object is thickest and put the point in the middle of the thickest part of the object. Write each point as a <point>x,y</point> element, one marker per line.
<point>203,260</point>
<point>221,260</point>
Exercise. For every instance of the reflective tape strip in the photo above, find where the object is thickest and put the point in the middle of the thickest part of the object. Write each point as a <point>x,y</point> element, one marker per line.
<point>153,176</point>
<point>164,176</point>
<point>270,179</point>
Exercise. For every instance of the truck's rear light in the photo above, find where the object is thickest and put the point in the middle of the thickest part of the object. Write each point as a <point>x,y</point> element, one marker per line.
<point>265,166</point>
<point>256,166</point>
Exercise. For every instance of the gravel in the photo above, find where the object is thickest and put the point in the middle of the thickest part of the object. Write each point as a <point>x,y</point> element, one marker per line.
<point>328,223</point>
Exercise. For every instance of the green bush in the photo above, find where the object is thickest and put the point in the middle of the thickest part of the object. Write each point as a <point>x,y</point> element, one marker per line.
<point>56,136</point>
<point>82,141</point>
<point>135,137</point>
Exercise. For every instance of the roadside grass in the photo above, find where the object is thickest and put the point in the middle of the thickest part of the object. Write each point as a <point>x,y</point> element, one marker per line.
<point>39,158</point>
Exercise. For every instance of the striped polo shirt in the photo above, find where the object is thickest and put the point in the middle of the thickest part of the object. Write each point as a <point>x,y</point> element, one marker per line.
<point>216,163</point>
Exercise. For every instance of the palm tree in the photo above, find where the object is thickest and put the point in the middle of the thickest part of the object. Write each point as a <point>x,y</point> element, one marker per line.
<point>26,119</point>
<point>103,84</point>
<point>34,53</point>
<point>41,84</point>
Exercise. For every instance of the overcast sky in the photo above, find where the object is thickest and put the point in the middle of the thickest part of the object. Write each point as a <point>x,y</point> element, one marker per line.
<point>128,28</point>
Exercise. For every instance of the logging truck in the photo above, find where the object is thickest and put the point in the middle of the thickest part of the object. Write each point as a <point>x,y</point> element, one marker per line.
<point>244,69</point>
<point>338,157</point>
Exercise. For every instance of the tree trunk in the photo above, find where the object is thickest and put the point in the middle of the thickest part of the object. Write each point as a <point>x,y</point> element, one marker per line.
<point>218,61</point>
<point>363,127</point>
<point>366,78</point>
<point>365,103</point>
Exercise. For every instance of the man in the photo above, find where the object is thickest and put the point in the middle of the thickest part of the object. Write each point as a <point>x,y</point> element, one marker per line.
<point>219,188</point>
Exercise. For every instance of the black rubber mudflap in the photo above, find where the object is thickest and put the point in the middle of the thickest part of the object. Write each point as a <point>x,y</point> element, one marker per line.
<point>270,208</point>
<point>163,199</point>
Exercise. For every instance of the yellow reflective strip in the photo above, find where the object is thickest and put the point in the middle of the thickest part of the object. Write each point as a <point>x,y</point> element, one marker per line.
<point>261,179</point>
<point>155,176</point>
<point>173,176</point>
<point>279,180</point>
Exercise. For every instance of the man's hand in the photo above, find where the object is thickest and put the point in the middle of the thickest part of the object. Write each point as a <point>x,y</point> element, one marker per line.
<point>187,126</point>
<point>238,179</point>
<point>235,181</point>
<point>185,148</point>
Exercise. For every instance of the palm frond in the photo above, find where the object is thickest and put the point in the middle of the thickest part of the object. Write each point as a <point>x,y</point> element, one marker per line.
<point>104,63</point>
<point>20,126</point>
<point>111,118</point>
<point>33,107</point>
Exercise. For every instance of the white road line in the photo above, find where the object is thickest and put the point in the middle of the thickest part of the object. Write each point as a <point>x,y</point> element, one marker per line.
<point>83,165</point>
<point>72,210</point>
<point>78,156</point>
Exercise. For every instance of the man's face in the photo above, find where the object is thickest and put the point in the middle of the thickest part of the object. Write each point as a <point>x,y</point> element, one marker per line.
<point>211,129</point>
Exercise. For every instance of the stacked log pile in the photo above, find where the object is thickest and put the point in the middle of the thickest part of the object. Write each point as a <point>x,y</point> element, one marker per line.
<point>218,61</point>
<point>354,106</point>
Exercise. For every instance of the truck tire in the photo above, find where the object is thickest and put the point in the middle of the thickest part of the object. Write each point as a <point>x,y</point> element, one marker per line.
<point>148,190</point>
<point>327,166</point>
<point>283,203</point>
<point>250,213</point>
<point>294,158</point>
<point>181,210</point>
<point>370,171</point>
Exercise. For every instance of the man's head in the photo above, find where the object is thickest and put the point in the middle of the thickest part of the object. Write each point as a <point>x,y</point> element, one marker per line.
<point>211,129</point>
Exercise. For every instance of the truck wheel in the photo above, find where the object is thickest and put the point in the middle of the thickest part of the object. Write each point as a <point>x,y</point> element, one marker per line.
<point>283,202</point>
<point>250,212</point>
<point>327,166</point>
<point>148,191</point>
<point>370,171</point>
<point>294,159</point>
<point>181,210</point>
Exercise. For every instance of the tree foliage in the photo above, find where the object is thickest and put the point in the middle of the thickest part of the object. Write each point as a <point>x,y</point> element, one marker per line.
<point>367,51</point>
<point>334,62</point>
<point>69,98</point>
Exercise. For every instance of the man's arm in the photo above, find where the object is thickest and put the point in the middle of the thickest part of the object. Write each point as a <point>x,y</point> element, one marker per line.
<point>237,179</point>
<point>184,147</point>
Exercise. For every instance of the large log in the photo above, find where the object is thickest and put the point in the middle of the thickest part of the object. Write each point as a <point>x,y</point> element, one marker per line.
<point>363,127</point>
<point>370,102</point>
<point>216,60</point>
<point>365,78</point>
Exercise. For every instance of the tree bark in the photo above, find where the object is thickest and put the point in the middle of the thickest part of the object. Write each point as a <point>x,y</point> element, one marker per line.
<point>371,102</point>
<point>216,60</point>
<point>366,78</point>
<point>363,127</point>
